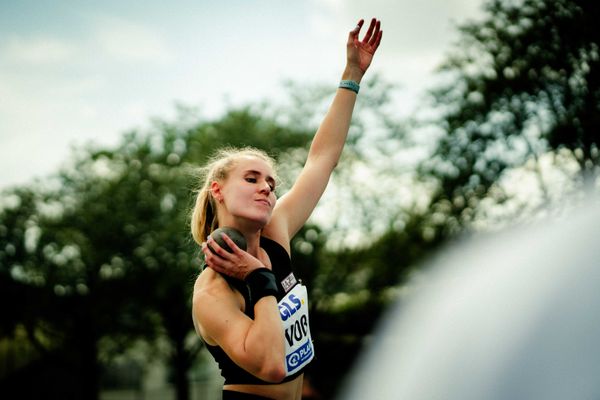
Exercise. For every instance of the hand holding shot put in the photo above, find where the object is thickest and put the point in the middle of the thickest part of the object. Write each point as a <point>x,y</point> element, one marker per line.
<point>248,306</point>
<point>226,255</point>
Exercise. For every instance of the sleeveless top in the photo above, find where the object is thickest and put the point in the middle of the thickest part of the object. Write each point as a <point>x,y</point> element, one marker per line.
<point>293,309</point>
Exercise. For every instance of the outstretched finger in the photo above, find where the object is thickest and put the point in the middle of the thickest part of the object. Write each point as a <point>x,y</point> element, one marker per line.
<point>375,36</point>
<point>353,35</point>
<point>377,42</point>
<point>368,36</point>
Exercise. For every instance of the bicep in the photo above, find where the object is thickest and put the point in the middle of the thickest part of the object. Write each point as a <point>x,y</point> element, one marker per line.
<point>221,322</point>
<point>251,344</point>
<point>296,206</point>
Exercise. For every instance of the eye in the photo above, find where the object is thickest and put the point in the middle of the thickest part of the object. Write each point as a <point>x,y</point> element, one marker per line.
<point>250,179</point>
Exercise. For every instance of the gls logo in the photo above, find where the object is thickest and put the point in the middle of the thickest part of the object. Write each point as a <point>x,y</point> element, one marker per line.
<point>286,309</point>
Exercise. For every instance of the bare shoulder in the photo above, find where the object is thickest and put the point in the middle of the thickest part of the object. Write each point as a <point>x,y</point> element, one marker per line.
<point>209,282</point>
<point>277,231</point>
<point>212,296</point>
<point>210,285</point>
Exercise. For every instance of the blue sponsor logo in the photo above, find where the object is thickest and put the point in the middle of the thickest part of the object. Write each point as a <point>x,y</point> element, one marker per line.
<point>300,356</point>
<point>289,306</point>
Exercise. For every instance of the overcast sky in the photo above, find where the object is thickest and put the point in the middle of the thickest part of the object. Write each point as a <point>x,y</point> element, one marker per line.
<point>79,71</point>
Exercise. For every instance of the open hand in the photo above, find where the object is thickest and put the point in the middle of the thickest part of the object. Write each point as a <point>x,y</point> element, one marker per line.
<point>360,53</point>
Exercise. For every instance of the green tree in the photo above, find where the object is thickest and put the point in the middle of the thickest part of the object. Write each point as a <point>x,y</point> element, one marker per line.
<point>108,246</point>
<point>82,254</point>
<point>522,85</point>
<point>105,249</point>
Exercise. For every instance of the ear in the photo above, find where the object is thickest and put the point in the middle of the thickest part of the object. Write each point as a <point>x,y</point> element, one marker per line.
<point>215,190</point>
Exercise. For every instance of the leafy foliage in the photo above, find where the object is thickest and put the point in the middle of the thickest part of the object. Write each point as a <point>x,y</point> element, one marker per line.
<point>105,253</point>
<point>522,84</point>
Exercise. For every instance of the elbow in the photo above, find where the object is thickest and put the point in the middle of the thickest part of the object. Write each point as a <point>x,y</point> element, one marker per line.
<point>273,372</point>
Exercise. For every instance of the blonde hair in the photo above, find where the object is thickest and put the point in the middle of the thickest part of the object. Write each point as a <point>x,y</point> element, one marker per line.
<point>204,213</point>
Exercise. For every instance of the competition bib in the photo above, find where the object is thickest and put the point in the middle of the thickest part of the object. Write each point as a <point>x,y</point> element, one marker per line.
<point>293,309</point>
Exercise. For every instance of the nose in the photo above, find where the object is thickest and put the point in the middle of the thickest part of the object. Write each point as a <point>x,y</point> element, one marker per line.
<point>265,188</point>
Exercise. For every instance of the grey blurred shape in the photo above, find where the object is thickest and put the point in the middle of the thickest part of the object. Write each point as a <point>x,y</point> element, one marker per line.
<point>510,316</point>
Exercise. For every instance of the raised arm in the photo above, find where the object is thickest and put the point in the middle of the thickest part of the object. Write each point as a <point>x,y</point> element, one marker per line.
<point>294,208</point>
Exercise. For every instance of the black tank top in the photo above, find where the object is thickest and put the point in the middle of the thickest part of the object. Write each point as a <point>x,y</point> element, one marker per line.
<point>282,268</point>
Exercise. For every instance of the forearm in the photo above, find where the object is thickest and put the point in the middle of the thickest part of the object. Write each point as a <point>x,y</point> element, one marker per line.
<point>264,342</point>
<point>330,138</point>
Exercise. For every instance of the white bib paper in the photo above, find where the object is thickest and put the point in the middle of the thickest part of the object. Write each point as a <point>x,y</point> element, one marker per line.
<point>293,309</point>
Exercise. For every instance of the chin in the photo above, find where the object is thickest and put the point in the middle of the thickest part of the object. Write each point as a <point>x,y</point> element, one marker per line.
<point>260,220</point>
<point>264,222</point>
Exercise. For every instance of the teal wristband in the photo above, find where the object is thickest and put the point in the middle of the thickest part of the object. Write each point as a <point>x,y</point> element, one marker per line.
<point>350,85</point>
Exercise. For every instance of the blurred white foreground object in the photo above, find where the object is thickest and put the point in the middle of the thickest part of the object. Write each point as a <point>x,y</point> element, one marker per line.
<point>510,316</point>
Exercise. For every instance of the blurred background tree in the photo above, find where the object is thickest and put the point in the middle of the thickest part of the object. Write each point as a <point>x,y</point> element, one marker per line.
<point>519,108</point>
<point>98,259</point>
<point>107,252</point>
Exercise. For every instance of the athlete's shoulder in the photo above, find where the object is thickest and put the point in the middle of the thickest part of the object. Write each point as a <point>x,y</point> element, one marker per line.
<point>276,232</point>
<point>210,284</point>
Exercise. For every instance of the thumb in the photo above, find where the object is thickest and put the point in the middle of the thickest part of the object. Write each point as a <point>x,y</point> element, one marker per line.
<point>353,35</point>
